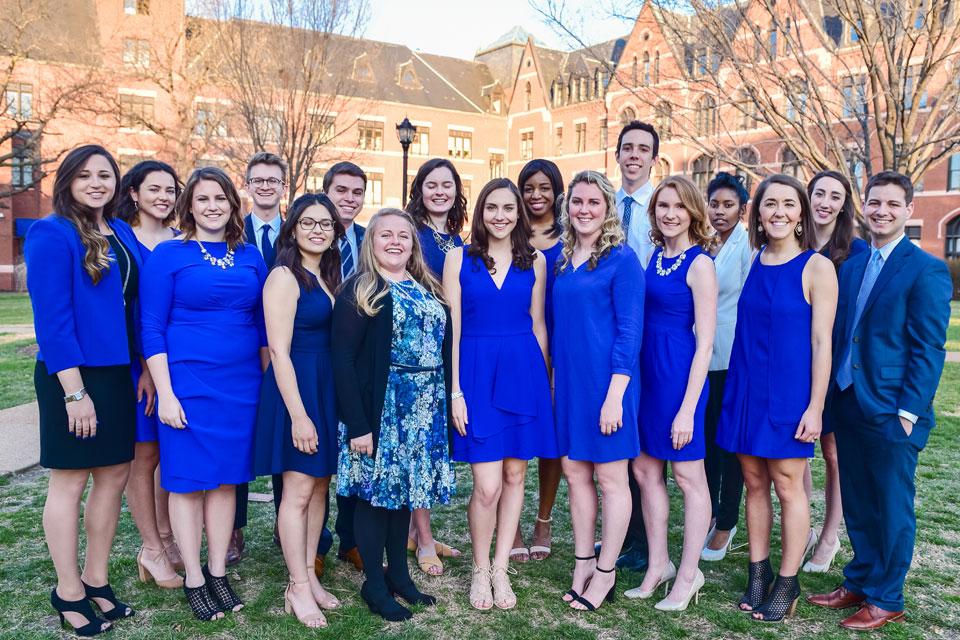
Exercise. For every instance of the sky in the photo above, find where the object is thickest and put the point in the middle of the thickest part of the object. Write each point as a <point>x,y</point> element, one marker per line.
<point>458,28</point>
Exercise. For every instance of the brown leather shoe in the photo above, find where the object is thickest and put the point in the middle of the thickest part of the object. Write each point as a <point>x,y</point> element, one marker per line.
<point>352,556</point>
<point>319,566</point>
<point>870,617</point>
<point>839,598</point>
<point>235,550</point>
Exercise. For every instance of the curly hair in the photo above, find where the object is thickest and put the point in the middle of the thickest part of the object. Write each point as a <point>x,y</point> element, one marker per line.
<point>456,216</point>
<point>611,231</point>
<point>700,231</point>
<point>234,233</point>
<point>523,252</point>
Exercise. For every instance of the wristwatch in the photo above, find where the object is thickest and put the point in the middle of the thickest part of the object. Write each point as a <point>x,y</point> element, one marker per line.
<point>74,397</point>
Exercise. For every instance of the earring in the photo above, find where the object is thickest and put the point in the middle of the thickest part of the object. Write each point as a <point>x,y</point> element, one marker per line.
<point>136,205</point>
<point>759,228</point>
<point>799,230</point>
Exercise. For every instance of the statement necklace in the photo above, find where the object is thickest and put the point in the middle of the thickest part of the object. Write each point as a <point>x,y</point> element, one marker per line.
<point>444,244</point>
<point>224,263</point>
<point>676,265</point>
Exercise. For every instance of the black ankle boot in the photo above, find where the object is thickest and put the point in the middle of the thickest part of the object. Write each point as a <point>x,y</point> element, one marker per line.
<point>383,604</point>
<point>408,592</point>
<point>759,579</point>
<point>781,601</point>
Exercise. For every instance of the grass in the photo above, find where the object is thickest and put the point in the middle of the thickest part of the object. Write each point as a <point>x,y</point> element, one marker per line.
<point>17,359</point>
<point>26,575</point>
<point>953,331</point>
<point>15,309</point>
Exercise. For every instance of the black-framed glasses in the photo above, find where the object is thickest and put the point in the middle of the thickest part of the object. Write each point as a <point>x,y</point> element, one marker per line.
<point>308,224</point>
<point>270,182</point>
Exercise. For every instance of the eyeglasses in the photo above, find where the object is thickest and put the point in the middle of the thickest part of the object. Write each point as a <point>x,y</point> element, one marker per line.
<point>308,224</point>
<point>270,182</point>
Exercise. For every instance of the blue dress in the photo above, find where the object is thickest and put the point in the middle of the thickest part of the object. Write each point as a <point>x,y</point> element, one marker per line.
<point>768,382</point>
<point>432,251</point>
<point>552,255</point>
<point>410,468</point>
<point>147,426</point>
<point>209,322</point>
<point>598,320</point>
<point>502,372</point>
<point>669,345</point>
<point>310,353</point>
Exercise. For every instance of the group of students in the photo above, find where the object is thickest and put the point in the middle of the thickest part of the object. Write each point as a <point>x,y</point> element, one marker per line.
<point>605,333</point>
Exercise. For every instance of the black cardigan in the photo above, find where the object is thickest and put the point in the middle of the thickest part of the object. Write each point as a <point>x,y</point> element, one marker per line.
<point>361,361</point>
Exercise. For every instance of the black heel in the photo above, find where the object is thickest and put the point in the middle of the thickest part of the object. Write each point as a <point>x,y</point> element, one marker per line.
<point>611,593</point>
<point>570,592</point>
<point>94,626</point>
<point>201,603</point>
<point>119,611</point>
<point>781,601</point>
<point>760,577</point>
<point>221,592</point>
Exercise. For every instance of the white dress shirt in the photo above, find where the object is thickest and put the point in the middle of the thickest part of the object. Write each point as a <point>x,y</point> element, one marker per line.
<point>350,234</point>
<point>732,264</point>
<point>638,236</point>
<point>272,234</point>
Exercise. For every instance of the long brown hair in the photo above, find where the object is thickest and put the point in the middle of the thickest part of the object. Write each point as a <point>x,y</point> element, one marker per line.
<point>523,252</point>
<point>288,252</point>
<point>96,257</point>
<point>838,246</point>
<point>457,215</point>
<point>758,237</point>
<point>611,231</point>
<point>700,231</point>
<point>233,234</point>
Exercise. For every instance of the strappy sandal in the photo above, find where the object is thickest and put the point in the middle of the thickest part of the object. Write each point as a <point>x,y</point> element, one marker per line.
<point>427,562</point>
<point>572,595</point>
<point>503,595</point>
<point>221,591</point>
<point>609,597</point>
<point>480,589</point>
<point>328,604</point>
<point>541,552</point>
<point>520,555</point>
<point>95,625</point>
<point>312,620</point>
<point>118,611</point>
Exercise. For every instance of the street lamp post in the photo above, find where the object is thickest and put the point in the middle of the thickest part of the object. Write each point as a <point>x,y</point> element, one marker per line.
<point>405,133</point>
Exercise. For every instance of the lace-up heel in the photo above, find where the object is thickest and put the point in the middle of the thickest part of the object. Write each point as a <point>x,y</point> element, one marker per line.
<point>760,577</point>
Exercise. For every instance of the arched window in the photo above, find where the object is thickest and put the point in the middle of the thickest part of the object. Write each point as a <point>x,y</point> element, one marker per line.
<point>706,116</point>
<point>660,171</point>
<point>952,248</point>
<point>747,163</point>
<point>527,93</point>
<point>634,74</point>
<point>789,164</point>
<point>664,113</point>
<point>646,69</point>
<point>627,116</point>
<point>702,170</point>
<point>656,68</point>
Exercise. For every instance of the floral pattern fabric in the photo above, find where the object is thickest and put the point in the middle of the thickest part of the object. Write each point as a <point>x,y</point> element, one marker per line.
<point>411,465</point>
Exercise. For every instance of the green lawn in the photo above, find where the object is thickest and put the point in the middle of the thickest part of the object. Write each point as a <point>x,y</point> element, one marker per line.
<point>17,358</point>
<point>15,309</point>
<point>26,576</point>
<point>953,331</point>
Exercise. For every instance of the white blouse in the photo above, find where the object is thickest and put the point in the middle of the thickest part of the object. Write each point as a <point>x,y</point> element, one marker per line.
<point>732,264</point>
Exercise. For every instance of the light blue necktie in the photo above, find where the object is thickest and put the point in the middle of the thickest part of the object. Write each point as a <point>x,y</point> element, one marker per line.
<point>346,258</point>
<point>627,215</point>
<point>845,374</point>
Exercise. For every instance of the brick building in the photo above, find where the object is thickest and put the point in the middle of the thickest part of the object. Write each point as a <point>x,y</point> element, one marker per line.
<point>514,101</point>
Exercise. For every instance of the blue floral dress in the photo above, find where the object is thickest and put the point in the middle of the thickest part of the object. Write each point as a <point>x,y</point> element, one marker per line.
<point>410,468</point>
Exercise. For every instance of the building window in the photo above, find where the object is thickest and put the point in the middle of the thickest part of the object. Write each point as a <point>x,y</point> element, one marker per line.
<point>789,164</point>
<point>635,73</point>
<point>702,172</point>
<point>913,233</point>
<point>136,112</point>
<point>772,42</point>
<point>656,68</point>
<point>19,101</point>
<point>660,171</point>
<point>953,173</point>
<point>646,69</point>
<point>370,135</point>
<point>314,182</point>
<point>527,97</point>
<point>627,116</point>
<point>580,136</point>
<point>326,129</point>
<point>603,134</point>
<point>136,7</point>
<point>22,162</point>
<point>854,96</point>
<point>496,165</point>
<point>208,122</point>
<point>664,115</point>
<point>706,116</point>
<point>136,53</point>
<point>748,112</point>
<point>373,196</point>
<point>559,140</point>
<point>796,100</point>
<point>910,88</point>
<point>526,145</point>
<point>952,248</point>
<point>460,144</point>
<point>747,161</point>
<point>421,142</point>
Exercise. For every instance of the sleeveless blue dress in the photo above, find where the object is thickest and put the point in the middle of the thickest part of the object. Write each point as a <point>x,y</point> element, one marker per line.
<point>310,353</point>
<point>502,373</point>
<point>768,382</point>
<point>666,354</point>
<point>552,255</point>
<point>433,253</point>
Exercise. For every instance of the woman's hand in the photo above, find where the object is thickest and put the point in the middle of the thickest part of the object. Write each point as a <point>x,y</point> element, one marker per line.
<point>681,432</point>
<point>458,409</point>
<point>146,389</point>
<point>611,415</point>
<point>811,423</point>
<point>304,435</point>
<point>171,413</point>
<point>362,445</point>
<point>82,418</point>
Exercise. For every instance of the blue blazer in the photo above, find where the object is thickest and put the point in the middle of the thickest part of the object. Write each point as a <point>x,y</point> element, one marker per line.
<point>897,348</point>
<point>251,237</point>
<point>360,231</point>
<point>78,323</point>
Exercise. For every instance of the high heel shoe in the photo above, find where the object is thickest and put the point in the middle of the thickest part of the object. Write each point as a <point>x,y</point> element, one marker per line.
<point>94,627</point>
<point>760,577</point>
<point>221,591</point>
<point>811,567</point>
<point>811,544</point>
<point>329,603</point>
<point>781,602</point>
<point>715,555</point>
<point>118,611</point>
<point>694,593</point>
<point>610,597</point>
<point>572,595</point>
<point>668,574</point>
<point>146,576</point>
<point>313,620</point>
<point>201,603</point>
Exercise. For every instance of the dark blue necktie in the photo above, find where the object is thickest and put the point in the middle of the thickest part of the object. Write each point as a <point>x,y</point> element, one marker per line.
<point>266,247</point>
<point>627,216</point>
<point>346,258</point>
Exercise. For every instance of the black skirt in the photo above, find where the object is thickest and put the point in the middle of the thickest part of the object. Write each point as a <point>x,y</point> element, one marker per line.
<point>114,399</point>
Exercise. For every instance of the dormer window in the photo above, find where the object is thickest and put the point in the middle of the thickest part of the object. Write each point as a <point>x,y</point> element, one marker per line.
<point>362,69</point>
<point>407,76</point>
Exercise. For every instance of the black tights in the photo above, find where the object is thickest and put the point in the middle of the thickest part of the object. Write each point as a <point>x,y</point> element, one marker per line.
<point>378,530</point>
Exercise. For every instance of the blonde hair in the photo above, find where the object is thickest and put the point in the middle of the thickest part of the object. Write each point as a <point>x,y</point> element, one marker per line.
<point>700,231</point>
<point>611,231</point>
<point>369,287</point>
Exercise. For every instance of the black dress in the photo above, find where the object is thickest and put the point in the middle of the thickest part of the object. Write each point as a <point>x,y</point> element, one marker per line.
<point>110,388</point>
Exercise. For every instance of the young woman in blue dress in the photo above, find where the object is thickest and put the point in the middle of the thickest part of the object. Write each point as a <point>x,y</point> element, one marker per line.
<point>777,383</point>
<point>501,392</point>
<point>205,344</point>
<point>598,299</point>
<point>438,206</point>
<point>835,236</point>
<point>148,193</point>
<point>678,330</point>
<point>541,185</point>
<point>297,419</point>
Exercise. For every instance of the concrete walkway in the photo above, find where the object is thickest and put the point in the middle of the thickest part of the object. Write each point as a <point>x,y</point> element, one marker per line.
<point>20,438</point>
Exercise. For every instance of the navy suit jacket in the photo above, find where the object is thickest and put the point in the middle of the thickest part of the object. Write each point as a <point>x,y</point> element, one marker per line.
<point>252,238</point>
<point>360,231</point>
<point>897,348</point>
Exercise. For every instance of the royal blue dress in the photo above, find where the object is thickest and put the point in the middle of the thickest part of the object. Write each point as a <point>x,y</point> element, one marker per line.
<point>209,322</point>
<point>433,253</point>
<point>669,345</point>
<point>310,353</point>
<point>502,372</point>
<point>147,426</point>
<point>552,255</point>
<point>768,382</point>
<point>598,321</point>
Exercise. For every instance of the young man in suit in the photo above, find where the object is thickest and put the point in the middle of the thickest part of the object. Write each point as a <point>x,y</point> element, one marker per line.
<point>266,183</point>
<point>888,353</point>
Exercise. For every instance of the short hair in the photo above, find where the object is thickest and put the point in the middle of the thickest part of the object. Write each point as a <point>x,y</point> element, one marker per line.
<point>346,169</point>
<point>724,180</point>
<point>635,125</point>
<point>552,172</point>
<point>699,232</point>
<point>265,157</point>
<point>890,177</point>
<point>758,237</point>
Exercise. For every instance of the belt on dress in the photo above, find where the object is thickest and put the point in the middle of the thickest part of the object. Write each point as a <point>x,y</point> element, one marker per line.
<point>410,368</point>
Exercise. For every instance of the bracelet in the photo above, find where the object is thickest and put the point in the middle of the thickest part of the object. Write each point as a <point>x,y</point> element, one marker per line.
<point>456,394</point>
<point>75,396</point>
